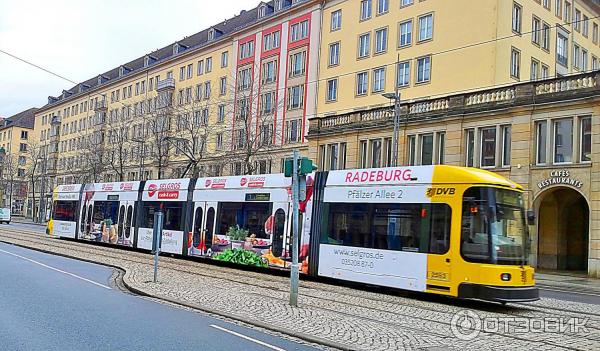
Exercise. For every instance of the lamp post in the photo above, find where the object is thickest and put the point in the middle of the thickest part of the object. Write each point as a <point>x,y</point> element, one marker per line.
<point>396,97</point>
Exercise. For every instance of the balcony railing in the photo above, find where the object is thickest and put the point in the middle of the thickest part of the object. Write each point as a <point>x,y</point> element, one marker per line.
<point>165,84</point>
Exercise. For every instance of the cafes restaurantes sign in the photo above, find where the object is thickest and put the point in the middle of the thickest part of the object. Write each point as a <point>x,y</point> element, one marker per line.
<point>560,177</point>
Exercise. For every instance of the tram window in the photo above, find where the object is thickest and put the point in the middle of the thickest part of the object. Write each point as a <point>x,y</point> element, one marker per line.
<point>173,215</point>
<point>250,216</point>
<point>197,226</point>
<point>83,218</point>
<point>64,210</point>
<point>128,222</point>
<point>421,228</point>
<point>105,210</point>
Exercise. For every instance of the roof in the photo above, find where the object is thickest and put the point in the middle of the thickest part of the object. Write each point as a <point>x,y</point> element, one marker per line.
<point>198,40</point>
<point>23,119</point>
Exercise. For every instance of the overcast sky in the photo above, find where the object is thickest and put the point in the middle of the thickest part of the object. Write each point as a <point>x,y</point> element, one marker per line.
<point>80,39</point>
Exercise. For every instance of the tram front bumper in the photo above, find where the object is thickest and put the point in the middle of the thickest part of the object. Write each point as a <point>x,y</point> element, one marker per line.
<point>498,293</point>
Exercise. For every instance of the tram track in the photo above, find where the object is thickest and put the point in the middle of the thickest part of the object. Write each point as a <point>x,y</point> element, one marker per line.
<point>331,294</point>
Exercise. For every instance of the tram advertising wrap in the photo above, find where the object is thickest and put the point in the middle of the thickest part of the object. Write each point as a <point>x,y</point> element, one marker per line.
<point>64,220</point>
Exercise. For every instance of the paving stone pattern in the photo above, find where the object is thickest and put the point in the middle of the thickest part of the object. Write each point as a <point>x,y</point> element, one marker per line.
<point>336,316</point>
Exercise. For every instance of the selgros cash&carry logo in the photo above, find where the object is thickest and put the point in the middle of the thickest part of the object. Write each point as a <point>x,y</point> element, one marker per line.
<point>164,191</point>
<point>152,190</point>
<point>253,182</point>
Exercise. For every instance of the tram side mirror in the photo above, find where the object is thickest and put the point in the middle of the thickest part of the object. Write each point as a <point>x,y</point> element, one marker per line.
<point>530,217</point>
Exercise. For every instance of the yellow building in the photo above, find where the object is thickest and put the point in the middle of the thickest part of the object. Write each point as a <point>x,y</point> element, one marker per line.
<point>17,138</point>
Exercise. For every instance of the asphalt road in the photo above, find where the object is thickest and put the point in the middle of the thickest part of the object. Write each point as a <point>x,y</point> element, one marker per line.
<point>53,303</point>
<point>549,292</point>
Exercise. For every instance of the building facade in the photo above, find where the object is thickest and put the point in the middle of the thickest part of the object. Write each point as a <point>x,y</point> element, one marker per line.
<point>231,99</point>
<point>17,145</point>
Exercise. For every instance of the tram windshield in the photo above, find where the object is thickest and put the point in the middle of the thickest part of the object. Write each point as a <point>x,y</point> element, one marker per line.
<point>494,229</point>
<point>64,210</point>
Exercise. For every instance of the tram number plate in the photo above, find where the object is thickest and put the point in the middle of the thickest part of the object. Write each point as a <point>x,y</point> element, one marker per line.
<point>439,276</point>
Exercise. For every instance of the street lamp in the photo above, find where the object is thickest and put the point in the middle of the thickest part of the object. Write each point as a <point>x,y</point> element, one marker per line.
<point>396,97</point>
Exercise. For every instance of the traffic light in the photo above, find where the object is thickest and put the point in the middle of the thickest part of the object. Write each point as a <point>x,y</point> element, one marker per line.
<point>305,166</point>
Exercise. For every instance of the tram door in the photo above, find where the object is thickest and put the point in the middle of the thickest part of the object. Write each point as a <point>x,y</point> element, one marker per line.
<point>202,228</point>
<point>278,227</point>
<point>125,223</point>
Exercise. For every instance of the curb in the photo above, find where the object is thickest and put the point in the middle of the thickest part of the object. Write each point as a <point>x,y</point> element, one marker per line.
<point>26,222</point>
<point>123,278</point>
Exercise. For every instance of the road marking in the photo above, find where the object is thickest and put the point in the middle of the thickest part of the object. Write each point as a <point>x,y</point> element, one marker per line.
<point>56,269</point>
<point>272,347</point>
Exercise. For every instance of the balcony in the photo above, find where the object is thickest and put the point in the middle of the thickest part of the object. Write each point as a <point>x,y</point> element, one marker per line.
<point>100,105</point>
<point>166,84</point>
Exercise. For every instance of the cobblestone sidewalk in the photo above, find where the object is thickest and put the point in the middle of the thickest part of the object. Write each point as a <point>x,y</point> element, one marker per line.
<point>338,317</point>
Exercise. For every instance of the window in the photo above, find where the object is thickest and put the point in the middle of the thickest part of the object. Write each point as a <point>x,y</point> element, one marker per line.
<point>506,144</point>
<point>576,56</point>
<point>515,63</point>
<point>173,214</point>
<point>424,69</point>
<point>584,60</point>
<point>545,72</point>
<point>268,73</point>
<point>594,63</point>
<point>64,210</point>
<point>595,33</point>
<point>224,59</point>
<point>206,90</point>
<point>243,108</point>
<point>405,2</point>
<point>271,41</point>
<point>208,65</point>
<point>488,147</point>
<point>181,77</point>
<point>546,4</point>
<point>198,91</point>
<point>376,153</point>
<point>426,144</point>
<point>334,54</point>
<point>190,70</point>
<point>412,150</point>
<point>297,63</point>
<point>405,37</point>
<point>441,148</point>
<point>577,21</point>
<point>362,83</point>
<point>541,142</point>
<point>332,87</point>
<point>336,20</point>
<point>425,27</point>
<point>470,147</point>
<point>535,30</point>
<point>221,113</point>
<point>403,74</point>
<point>365,9</point>
<point>585,26</point>
<point>400,227</point>
<point>383,6</point>
<point>295,97</point>
<point>562,45</point>
<point>292,131</point>
<point>200,68</point>
<point>364,42</point>
<point>24,135</point>
<point>267,102</point>
<point>245,79</point>
<point>563,140</point>
<point>381,36</point>
<point>567,14</point>
<point>585,138</point>
<point>546,36</point>
<point>299,31</point>
<point>517,15</point>
<point>219,141</point>
<point>558,8</point>
<point>246,50</point>
<point>535,67</point>
<point>378,79</point>
<point>223,86</point>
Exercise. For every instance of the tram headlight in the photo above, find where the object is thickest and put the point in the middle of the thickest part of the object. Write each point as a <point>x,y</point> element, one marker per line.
<point>505,277</point>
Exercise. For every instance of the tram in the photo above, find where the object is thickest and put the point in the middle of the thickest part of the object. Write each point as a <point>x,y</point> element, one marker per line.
<point>440,229</point>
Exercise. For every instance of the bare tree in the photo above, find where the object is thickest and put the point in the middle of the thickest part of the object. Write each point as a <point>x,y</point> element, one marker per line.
<point>8,175</point>
<point>33,171</point>
<point>117,151</point>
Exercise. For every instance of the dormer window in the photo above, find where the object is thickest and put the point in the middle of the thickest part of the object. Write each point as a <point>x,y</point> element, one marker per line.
<point>278,4</point>
<point>99,80</point>
<point>262,11</point>
<point>211,34</point>
<point>121,71</point>
<point>146,61</point>
<point>176,48</point>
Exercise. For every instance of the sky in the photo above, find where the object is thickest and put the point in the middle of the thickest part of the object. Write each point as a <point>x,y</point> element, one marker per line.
<point>81,39</point>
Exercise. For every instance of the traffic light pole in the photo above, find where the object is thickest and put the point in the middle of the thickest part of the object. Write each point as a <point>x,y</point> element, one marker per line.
<point>295,272</point>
